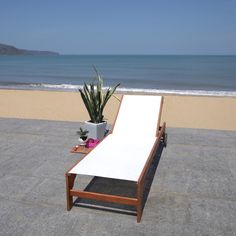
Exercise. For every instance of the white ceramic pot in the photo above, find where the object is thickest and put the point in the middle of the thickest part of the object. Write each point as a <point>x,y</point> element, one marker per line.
<point>82,142</point>
<point>96,131</point>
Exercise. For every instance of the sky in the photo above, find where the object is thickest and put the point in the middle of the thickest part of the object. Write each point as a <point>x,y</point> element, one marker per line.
<point>120,26</point>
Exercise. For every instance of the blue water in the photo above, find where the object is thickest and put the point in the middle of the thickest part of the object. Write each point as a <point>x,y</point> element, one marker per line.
<point>155,73</point>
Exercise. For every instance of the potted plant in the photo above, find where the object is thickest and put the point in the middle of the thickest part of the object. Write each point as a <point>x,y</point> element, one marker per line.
<point>95,99</point>
<point>83,136</point>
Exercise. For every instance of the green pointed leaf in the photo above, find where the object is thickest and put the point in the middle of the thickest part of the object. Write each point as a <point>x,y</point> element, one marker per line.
<point>95,99</point>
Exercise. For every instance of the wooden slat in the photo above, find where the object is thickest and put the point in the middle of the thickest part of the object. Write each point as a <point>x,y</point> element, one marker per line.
<point>151,156</point>
<point>139,203</point>
<point>159,116</point>
<point>114,123</point>
<point>104,197</point>
<point>70,178</point>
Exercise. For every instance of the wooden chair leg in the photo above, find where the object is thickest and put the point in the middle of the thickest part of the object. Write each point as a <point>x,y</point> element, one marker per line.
<point>70,178</point>
<point>139,203</point>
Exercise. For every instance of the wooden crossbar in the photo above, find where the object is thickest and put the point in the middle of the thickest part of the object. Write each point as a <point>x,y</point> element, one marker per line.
<point>104,197</point>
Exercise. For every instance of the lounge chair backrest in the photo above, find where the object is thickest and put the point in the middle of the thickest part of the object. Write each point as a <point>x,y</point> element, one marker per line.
<point>138,116</point>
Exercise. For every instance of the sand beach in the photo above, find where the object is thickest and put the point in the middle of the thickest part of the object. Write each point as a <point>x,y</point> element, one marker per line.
<point>201,112</point>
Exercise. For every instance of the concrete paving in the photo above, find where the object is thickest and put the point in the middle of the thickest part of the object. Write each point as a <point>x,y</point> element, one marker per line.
<point>193,189</point>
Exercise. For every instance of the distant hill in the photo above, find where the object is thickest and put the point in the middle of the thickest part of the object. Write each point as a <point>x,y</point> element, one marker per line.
<point>11,50</point>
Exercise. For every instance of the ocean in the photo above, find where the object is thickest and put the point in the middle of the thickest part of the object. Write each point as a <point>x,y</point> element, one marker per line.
<point>168,74</point>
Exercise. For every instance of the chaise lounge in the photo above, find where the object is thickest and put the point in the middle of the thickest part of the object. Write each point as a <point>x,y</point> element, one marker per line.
<point>126,153</point>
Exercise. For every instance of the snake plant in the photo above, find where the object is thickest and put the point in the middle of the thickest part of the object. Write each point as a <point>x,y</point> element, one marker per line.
<point>95,98</point>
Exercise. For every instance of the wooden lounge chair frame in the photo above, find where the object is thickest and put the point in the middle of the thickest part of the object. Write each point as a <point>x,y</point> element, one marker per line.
<point>135,201</point>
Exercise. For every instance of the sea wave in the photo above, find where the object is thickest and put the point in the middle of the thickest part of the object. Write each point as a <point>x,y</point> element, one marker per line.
<point>71,87</point>
<point>151,91</point>
<point>181,92</point>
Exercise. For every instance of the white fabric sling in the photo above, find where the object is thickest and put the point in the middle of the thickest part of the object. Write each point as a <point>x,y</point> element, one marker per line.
<point>123,154</point>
